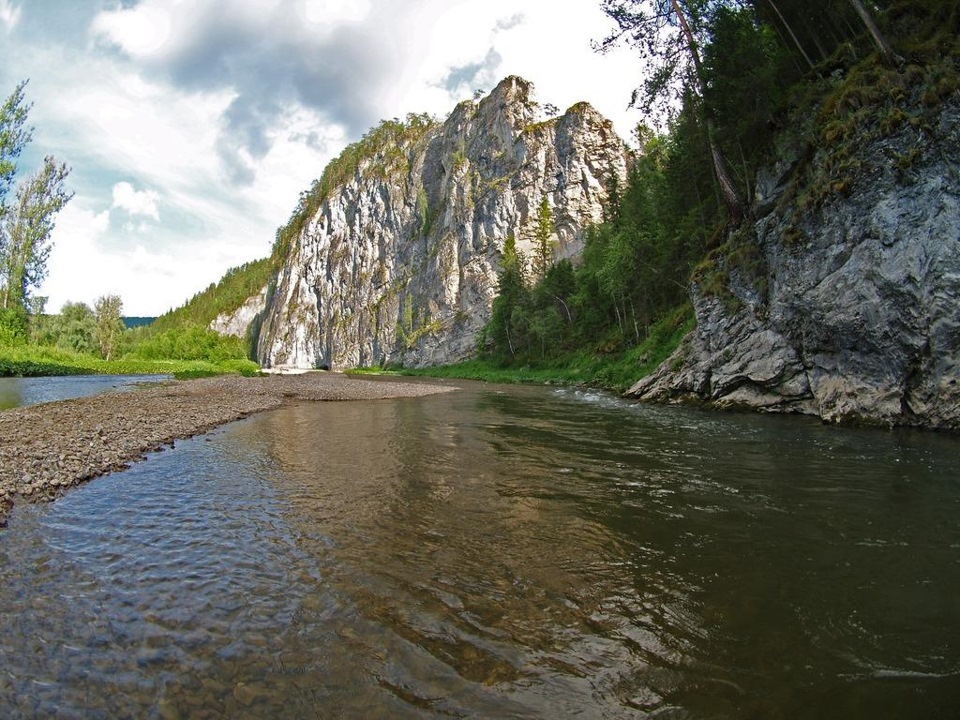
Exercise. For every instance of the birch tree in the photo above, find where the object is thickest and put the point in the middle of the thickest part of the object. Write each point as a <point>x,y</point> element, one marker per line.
<point>108,310</point>
<point>26,225</point>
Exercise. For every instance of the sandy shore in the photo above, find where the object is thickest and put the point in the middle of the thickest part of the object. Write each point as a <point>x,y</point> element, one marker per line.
<point>47,448</point>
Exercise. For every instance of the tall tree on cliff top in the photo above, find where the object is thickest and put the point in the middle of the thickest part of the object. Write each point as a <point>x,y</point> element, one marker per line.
<point>25,227</point>
<point>879,38</point>
<point>666,34</point>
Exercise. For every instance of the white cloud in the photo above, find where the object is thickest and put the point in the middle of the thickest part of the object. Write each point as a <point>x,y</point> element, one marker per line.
<point>326,12</point>
<point>136,202</point>
<point>141,31</point>
<point>149,279</point>
<point>9,15</point>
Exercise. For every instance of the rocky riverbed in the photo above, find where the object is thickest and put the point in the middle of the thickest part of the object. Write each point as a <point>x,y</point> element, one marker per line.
<point>45,449</point>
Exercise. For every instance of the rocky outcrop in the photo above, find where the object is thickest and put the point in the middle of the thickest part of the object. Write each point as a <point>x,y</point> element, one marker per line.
<point>851,310</point>
<point>399,263</point>
<point>238,322</point>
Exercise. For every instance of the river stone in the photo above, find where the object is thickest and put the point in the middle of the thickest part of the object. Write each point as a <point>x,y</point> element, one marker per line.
<point>46,448</point>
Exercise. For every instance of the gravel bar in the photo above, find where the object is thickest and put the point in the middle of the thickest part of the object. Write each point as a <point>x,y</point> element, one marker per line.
<point>45,449</point>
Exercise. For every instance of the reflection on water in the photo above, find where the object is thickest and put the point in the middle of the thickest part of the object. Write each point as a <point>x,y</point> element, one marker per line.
<point>497,552</point>
<point>17,391</point>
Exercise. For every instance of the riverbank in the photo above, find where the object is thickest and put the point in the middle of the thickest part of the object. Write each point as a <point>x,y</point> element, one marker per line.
<point>616,370</point>
<point>35,361</point>
<point>45,449</point>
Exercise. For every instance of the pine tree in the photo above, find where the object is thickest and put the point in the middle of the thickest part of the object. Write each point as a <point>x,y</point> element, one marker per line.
<point>543,246</point>
<point>665,32</point>
<point>508,327</point>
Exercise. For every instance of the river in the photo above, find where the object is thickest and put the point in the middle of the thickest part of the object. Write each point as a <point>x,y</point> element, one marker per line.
<point>20,391</point>
<point>521,552</point>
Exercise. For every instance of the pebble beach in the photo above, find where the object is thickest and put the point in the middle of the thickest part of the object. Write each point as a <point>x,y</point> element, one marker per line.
<point>46,449</point>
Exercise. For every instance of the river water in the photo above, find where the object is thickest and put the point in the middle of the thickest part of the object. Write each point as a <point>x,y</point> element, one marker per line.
<point>18,391</point>
<point>495,552</point>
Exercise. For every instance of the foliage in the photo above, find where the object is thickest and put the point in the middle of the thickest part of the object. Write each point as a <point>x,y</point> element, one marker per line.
<point>14,326</point>
<point>233,289</point>
<point>613,371</point>
<point>35,361</point>
<point>863,101</point>
<point>73,329</point>
<point>108,309</point>
<point>743,89</point>
<point>507,327</point>
<point>747,72</point>
<point>632,273</point>
<point>190,343</point>
<point>25,227</point>
<point>542,231</point>
<point>184,333</point>
<point>25,231</point>
<point>655,29</point>
<point>15,135</point>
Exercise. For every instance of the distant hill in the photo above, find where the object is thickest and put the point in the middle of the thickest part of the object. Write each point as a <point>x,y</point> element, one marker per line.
<point>225,296</point>
<point>133,322</point>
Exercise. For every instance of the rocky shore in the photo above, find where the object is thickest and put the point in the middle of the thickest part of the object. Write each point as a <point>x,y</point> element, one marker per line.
<point>47,448</point>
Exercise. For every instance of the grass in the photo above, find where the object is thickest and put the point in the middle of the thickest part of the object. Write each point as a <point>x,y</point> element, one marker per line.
<point>32,361</point>
<point>612,371</point>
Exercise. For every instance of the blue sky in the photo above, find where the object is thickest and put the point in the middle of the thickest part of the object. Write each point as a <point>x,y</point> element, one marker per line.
<point>192,126</point>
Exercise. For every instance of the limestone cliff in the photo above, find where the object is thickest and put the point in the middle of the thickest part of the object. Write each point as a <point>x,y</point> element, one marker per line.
<point>237,322</point>
<point>399,261</point>
<point>849,310</point>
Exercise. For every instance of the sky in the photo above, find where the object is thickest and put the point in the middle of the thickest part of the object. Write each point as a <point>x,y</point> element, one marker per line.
<point>192,126</point>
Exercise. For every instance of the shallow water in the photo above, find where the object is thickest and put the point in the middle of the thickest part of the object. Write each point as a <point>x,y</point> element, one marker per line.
<point>17,391</point>
<point>495,552</point>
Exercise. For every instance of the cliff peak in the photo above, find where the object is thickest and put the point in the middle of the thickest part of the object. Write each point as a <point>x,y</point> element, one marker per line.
<point>399,262</point>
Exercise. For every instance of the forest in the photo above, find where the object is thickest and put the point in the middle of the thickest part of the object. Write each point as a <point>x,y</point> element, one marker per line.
<point>733,87</point>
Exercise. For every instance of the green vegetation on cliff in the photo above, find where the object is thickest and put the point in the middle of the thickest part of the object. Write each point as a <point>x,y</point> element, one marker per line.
<point>801,83</point>
<point>383,150</point>
<point>225,296</point>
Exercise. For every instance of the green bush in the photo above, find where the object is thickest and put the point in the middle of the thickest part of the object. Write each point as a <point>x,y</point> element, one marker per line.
<point>14,327</point>
<point>33,361</point>
<point>191,343</point>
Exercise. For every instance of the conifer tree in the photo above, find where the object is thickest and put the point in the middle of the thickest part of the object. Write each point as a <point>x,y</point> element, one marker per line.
<point>543,247</point>
<point>665,32</point>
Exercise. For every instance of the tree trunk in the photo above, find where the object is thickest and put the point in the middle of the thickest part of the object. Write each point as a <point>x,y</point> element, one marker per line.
<point>731,196</point>
<point>885,50</point>
<point>815,36</point>
<point>793,36</point>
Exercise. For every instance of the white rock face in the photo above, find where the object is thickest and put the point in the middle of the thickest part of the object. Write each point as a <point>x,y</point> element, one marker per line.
<point>861,320</point>
<point>402,266</point>
<point>237,323</point>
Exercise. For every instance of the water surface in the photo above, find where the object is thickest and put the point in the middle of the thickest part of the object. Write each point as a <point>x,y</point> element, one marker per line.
<point>496,552</point>
<point>20,391</point>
